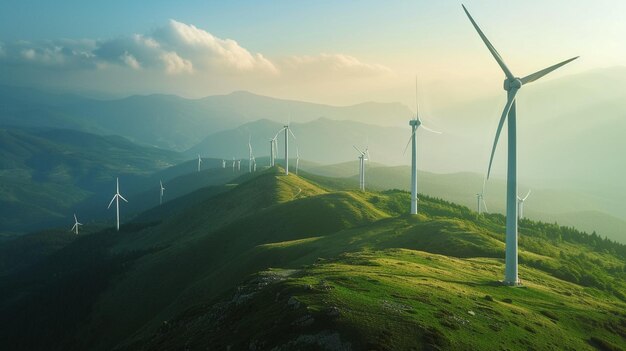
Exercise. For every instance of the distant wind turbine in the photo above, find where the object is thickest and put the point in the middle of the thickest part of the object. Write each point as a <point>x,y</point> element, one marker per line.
<point>363,156</point>
<point>297,159</point>
<point>520,203</point>
<point>76,225</point>
<point>512,85</point>
<point>250,155</point>
<point>234,165</point>
<point>223,163</point>
<point>415,124</point>
<point>161,193</point>
<point>117,198</point>
<point>287,131</point>
<point>481,204</point>
<point>238,165</point>
<point>199,162</point>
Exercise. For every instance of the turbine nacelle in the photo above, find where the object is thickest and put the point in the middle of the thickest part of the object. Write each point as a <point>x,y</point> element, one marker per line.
<point>415,122</point>
<point>514,83</point>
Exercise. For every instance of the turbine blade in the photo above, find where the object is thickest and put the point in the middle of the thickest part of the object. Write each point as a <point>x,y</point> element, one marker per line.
<point>527,194</point>
<point>357,149</point>
<point>75,219</point>
<point>121,197</point>
<point>416,103</point>
<point>485,205</point>
<point>533,77</point>
<point>74,227</point>
<point>408,143</point>
<point>276,136</point>
<point>290,132</point>
<point>491,48</point>
<point>430,130</point>
<point>505,113</point>
<point>367,151</point>
<point>113,199</point>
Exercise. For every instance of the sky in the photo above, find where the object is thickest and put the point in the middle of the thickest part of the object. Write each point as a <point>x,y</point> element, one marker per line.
<point>334,52</point>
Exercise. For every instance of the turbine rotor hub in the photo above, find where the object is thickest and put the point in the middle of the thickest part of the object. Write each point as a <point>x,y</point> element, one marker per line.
<point>415,122</point>
<point>514,83</point>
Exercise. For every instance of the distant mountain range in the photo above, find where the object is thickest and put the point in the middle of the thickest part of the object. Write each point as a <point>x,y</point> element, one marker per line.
<point>173,122</point>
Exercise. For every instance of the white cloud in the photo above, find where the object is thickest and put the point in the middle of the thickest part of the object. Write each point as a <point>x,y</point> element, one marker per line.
<point>333,65</point>
<point>175,49</point>
<point>208,50</point>
<point>130,60</point>
<point>175,64</point>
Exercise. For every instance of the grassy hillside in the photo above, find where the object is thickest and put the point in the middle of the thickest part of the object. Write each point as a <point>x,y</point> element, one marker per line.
<point>567,207</point>
<point>291,263</point>
<point>49,174</point>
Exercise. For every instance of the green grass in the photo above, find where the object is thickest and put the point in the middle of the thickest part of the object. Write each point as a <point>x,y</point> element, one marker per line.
<point>222,272</point>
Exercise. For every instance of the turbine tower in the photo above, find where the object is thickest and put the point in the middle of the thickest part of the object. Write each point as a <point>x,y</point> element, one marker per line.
<point>287,133</point>
<point>117,198</point>
<point>250,156</point>
<point>415,124</point>
<point>161,193</point>
<point>238,165</point>
<point>233,165</point>
<point>512,85</point>
<point>76,225</point>
<point>520,204</point>
<point>199,162</point>
<point>272,152</point>
<point>297,159</point>
<point>480,199</point>
<point>363,156</point>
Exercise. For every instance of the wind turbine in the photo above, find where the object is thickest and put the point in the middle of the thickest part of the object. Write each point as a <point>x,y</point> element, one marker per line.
<point>481,204</point>
<point>199,162</point>
<point>297,159</point>
<point>76,225</point>
<point>272,152</point>
<point>363,156</point>
<point>415,124</point>
<point>238,165</point>
<point>161,194</point>
<point>250,156</point>
<point>287,132</point>
<point>520,203</point>
<point>512,85</point>
<point>233,165</point>
<point>117,198</point>
<point>223,163</point>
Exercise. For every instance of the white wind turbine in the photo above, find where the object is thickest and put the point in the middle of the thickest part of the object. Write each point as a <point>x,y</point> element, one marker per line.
<point>415,124</point>
<point>76,225</point>
<point>520,203</point>
<point>512,85</point>
<point>161,192</point>
<point>234,165</point>
<point>480,199</point>
<point>287,133</point>
<point>117,198</point>
<point>223,163</point>
<point>250,155</point>
<point>199,162</point>
<point>238,165</point>
<point>297,159</point>
<point>363,156</point>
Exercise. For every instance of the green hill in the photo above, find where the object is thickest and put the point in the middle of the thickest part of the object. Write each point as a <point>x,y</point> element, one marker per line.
<point>291,263</point>
<point>48,174</point>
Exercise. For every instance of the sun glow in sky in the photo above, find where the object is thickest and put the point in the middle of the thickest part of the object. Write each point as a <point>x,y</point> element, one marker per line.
<point>323,51</point>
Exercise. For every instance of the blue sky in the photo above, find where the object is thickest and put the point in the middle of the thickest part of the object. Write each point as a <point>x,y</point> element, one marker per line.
<point>429,38</point>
